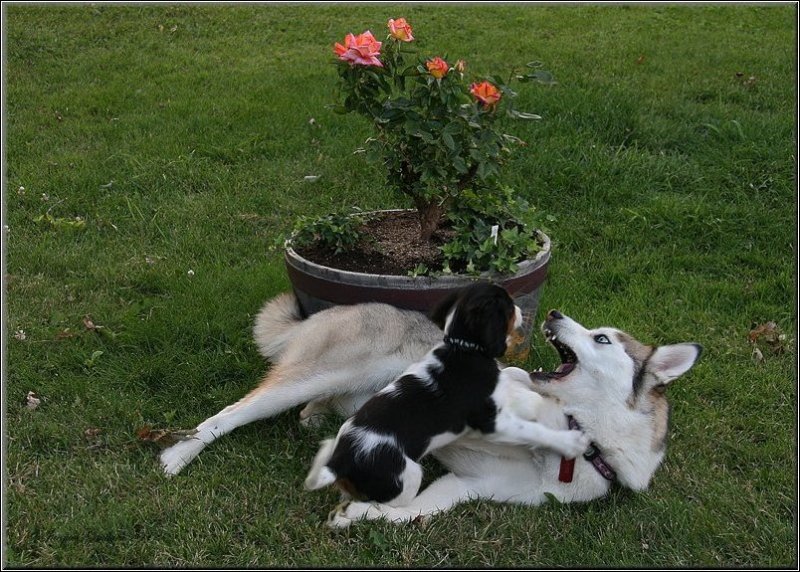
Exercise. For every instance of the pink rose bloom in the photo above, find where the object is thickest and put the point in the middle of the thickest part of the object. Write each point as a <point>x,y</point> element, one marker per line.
<point>486,93</point>
<point>360,50</point>
<point>437,67</point>
<point>400,30</point>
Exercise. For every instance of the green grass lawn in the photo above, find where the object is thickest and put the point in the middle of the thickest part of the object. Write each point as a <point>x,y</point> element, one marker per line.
<point>181,136</point>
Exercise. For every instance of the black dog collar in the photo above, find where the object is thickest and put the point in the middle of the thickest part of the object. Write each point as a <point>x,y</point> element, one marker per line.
<point>464,345</point>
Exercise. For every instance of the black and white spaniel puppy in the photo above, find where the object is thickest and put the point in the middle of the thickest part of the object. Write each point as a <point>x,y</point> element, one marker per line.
<point>457,387</point>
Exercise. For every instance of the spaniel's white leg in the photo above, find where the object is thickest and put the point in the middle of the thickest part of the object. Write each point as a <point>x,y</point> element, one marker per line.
<point>513,430</point>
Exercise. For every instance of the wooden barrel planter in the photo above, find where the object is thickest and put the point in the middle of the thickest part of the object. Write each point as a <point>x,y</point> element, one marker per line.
<point>318,287</point>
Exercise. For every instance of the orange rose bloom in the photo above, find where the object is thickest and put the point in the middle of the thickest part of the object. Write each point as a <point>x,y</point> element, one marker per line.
<point>400,30</point>
<point>437,67</point>
<point>486,93</point>
<point>362,50</point>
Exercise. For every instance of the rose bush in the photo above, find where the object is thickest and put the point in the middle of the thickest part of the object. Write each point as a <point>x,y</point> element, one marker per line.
<point>436,134</point>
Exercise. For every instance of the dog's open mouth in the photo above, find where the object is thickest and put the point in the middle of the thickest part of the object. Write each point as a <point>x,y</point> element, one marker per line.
<point>568,358</point>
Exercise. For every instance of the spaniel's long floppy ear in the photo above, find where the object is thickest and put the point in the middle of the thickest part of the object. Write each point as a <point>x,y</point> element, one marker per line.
<point>491,318</point>
<point>440,312</point>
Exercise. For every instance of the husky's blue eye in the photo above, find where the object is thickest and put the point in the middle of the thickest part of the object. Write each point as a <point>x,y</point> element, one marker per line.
<point>602,339</point>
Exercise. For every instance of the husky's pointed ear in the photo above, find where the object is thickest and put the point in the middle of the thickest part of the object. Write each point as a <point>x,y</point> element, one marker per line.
<point>440,312</point>
<point>670,362</point>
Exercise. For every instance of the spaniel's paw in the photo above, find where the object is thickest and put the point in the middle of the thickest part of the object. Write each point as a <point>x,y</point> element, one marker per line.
<point>348,512</point>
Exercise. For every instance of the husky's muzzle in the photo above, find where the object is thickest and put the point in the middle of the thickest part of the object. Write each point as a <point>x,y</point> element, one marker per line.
<point>550,328</point>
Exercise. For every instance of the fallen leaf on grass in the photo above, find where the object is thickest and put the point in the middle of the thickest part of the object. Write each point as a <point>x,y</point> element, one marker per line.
<point>769,334</point>
<point>420,521</point>
<point>65,335</point>
<point>32,401</point>
<point>750,81</point>
<point>77,223</point>
<point>89,324</point>
<point>161,437</point>
<point>91,361</point>
<point>94,439</point>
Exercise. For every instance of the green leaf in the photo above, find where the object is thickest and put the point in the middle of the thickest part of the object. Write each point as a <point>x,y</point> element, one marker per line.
<point>460,165</point>
<point>481,171</point>
<point>453,128</point>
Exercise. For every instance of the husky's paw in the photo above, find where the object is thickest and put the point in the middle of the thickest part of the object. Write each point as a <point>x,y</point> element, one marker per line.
<point>312,422</point>
<point>572,444</point>
<point>314,413</point>
<point>176,457</point>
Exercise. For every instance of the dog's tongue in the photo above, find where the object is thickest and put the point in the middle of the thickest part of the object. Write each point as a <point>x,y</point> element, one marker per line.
<point>565,368</point>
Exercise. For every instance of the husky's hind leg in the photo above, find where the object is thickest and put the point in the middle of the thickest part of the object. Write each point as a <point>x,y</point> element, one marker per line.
<point>439,496</point>
<point>280,390</point>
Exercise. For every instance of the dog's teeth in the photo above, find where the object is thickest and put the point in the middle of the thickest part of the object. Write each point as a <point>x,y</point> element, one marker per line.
<point>554,338</point>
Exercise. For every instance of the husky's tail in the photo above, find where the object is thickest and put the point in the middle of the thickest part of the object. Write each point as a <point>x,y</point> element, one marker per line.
<point>321,476</point>
<point>275,324</point>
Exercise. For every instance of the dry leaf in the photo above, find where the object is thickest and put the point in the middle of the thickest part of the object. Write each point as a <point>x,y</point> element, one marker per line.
<point>420,521</point>
<point>161,437</point>
<point>770,335</point>
<point>92,327</point>
<point>92,432</point>
<point>758,357</point>
<point>65,335</point>
<point>32,401</point>
<point>750,81</point>
<point>640,59</point>
<point>767,332</point>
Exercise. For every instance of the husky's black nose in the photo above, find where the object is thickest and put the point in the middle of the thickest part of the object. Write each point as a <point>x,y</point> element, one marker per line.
<point>554,315</point>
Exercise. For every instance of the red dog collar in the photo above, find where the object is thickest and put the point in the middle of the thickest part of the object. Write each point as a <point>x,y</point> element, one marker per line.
<point>592,454</point>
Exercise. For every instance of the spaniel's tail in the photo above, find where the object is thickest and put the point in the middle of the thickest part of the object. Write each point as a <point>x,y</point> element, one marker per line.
<point>320,475</point>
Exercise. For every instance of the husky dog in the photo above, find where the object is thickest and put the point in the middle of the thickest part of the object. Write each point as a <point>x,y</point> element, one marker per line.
<point>457,387</point>
<point>609,385</point>
<point>333,361</point>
